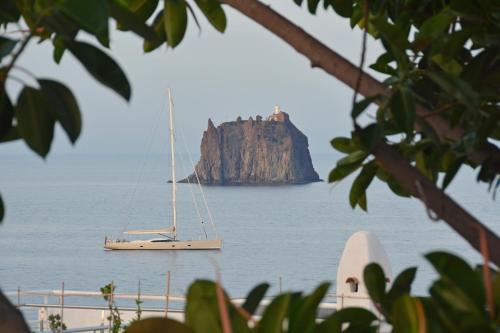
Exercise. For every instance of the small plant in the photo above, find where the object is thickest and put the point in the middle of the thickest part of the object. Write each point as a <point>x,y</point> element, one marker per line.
<point>114,318</point>
<point>138,303</point>
<point>138,313</point>
<point>55,323</point>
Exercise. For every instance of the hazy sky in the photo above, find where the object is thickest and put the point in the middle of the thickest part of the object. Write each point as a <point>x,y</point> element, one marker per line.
<point>245,71</point>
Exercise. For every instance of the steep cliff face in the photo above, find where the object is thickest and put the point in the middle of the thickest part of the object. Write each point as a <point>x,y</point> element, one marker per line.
<point>252,152</point>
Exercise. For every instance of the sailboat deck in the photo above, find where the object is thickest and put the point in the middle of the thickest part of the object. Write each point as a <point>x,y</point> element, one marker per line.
<point>165,244</point>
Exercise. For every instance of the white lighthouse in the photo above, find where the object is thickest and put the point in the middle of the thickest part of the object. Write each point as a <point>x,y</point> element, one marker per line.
<point>278,115</point>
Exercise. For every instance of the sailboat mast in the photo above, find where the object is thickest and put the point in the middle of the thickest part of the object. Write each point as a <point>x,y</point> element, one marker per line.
<point>172,151</point>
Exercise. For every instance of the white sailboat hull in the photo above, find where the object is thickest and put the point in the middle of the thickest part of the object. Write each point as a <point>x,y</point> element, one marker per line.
<point>208,244</point>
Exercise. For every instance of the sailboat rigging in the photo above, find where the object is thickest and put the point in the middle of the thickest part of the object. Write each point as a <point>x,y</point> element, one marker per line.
<point>168,235</point>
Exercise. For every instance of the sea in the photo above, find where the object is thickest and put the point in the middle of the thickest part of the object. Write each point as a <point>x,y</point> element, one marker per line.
<point>59,211</point>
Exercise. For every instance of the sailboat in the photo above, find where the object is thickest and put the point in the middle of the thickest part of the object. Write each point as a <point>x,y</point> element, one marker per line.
<point>167,239</point>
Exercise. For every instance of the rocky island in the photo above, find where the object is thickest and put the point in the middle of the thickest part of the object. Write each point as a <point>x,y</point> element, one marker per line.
<point>269,151</point>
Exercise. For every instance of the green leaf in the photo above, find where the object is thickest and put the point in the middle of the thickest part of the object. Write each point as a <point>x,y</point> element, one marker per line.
<point>151,325</point>
<point>27,12</point>
<point>214,13</point>
<point>6,112</point>
<point>63,106</point>
<point>102,67</point>
<point>374,278</point>
<point>427,129</point>
<point>459,273</point>
<point>478,70</point>
<point>34,120</point>
<point>421,161</point>
<point>342,7</point>
<point>254,297</point>
<point>466,144</point>
<point>371,135</point>
<point>396,188</point>
<point>142,9</point>
<point>405,315</point>
<point>342,171</point>
<point>312,6</point>
<point>193,15</point>
<point>448,65</point>
<point>59,48</point>
<point>361,183</point>
<point>273,316</point>
<point>360,106</point>
<point>466,7</point>
<point>6,46</point>
<point>175,20</point>
<point>303,318</point>
<point>2,209</point>
<point>61,25</point>
<point>393,34</point>
<point>359,320</point>
<point>355,157</point>
<point>402,283</point>
<point>457,88</point>
<point>403,109</point>
<point>133,22</point>
<point>382,65</point>
<point>449,296</point>
<point>432,28</point>
<point>91,15</point>
<point>451,172</point>
<point>342,144</point>
<point>9,12</point>
<point>159,28</point>
<point>496,293</point>
<point>357,15</point>
<point>202,311</point>
<point>11,135</point>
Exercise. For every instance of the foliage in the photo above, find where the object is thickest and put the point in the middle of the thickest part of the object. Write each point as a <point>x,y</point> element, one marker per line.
<point>138,304</point>
<point>56,324</point>
<point>138,313</point>
<point>439,55</point>
<point>457,303</point>
<point>290,312</point>
<point>114,318</point>
<point>458,300</point>
<point>43,103</point>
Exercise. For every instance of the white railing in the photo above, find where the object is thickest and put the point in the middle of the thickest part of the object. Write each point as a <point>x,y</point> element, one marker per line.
<point>164,305</point>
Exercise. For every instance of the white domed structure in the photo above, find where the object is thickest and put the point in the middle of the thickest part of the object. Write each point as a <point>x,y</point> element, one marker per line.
<point>361,249</point>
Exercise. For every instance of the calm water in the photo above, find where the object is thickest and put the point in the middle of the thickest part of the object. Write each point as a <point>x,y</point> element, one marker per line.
<point>59,212</point>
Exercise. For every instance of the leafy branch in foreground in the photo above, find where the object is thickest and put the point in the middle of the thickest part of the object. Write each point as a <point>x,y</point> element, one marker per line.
<point>405,179</point>
<point>457,302</point>
<point>439,56</point>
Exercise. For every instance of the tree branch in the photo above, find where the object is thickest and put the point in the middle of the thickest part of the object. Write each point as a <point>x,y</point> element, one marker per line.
<point>408,176</point>
<point>333,63</point>
<point>15,56</point>
<point>443,206</point>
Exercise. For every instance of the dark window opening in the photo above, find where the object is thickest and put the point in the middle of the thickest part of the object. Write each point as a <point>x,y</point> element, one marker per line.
<point>353,284</point>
